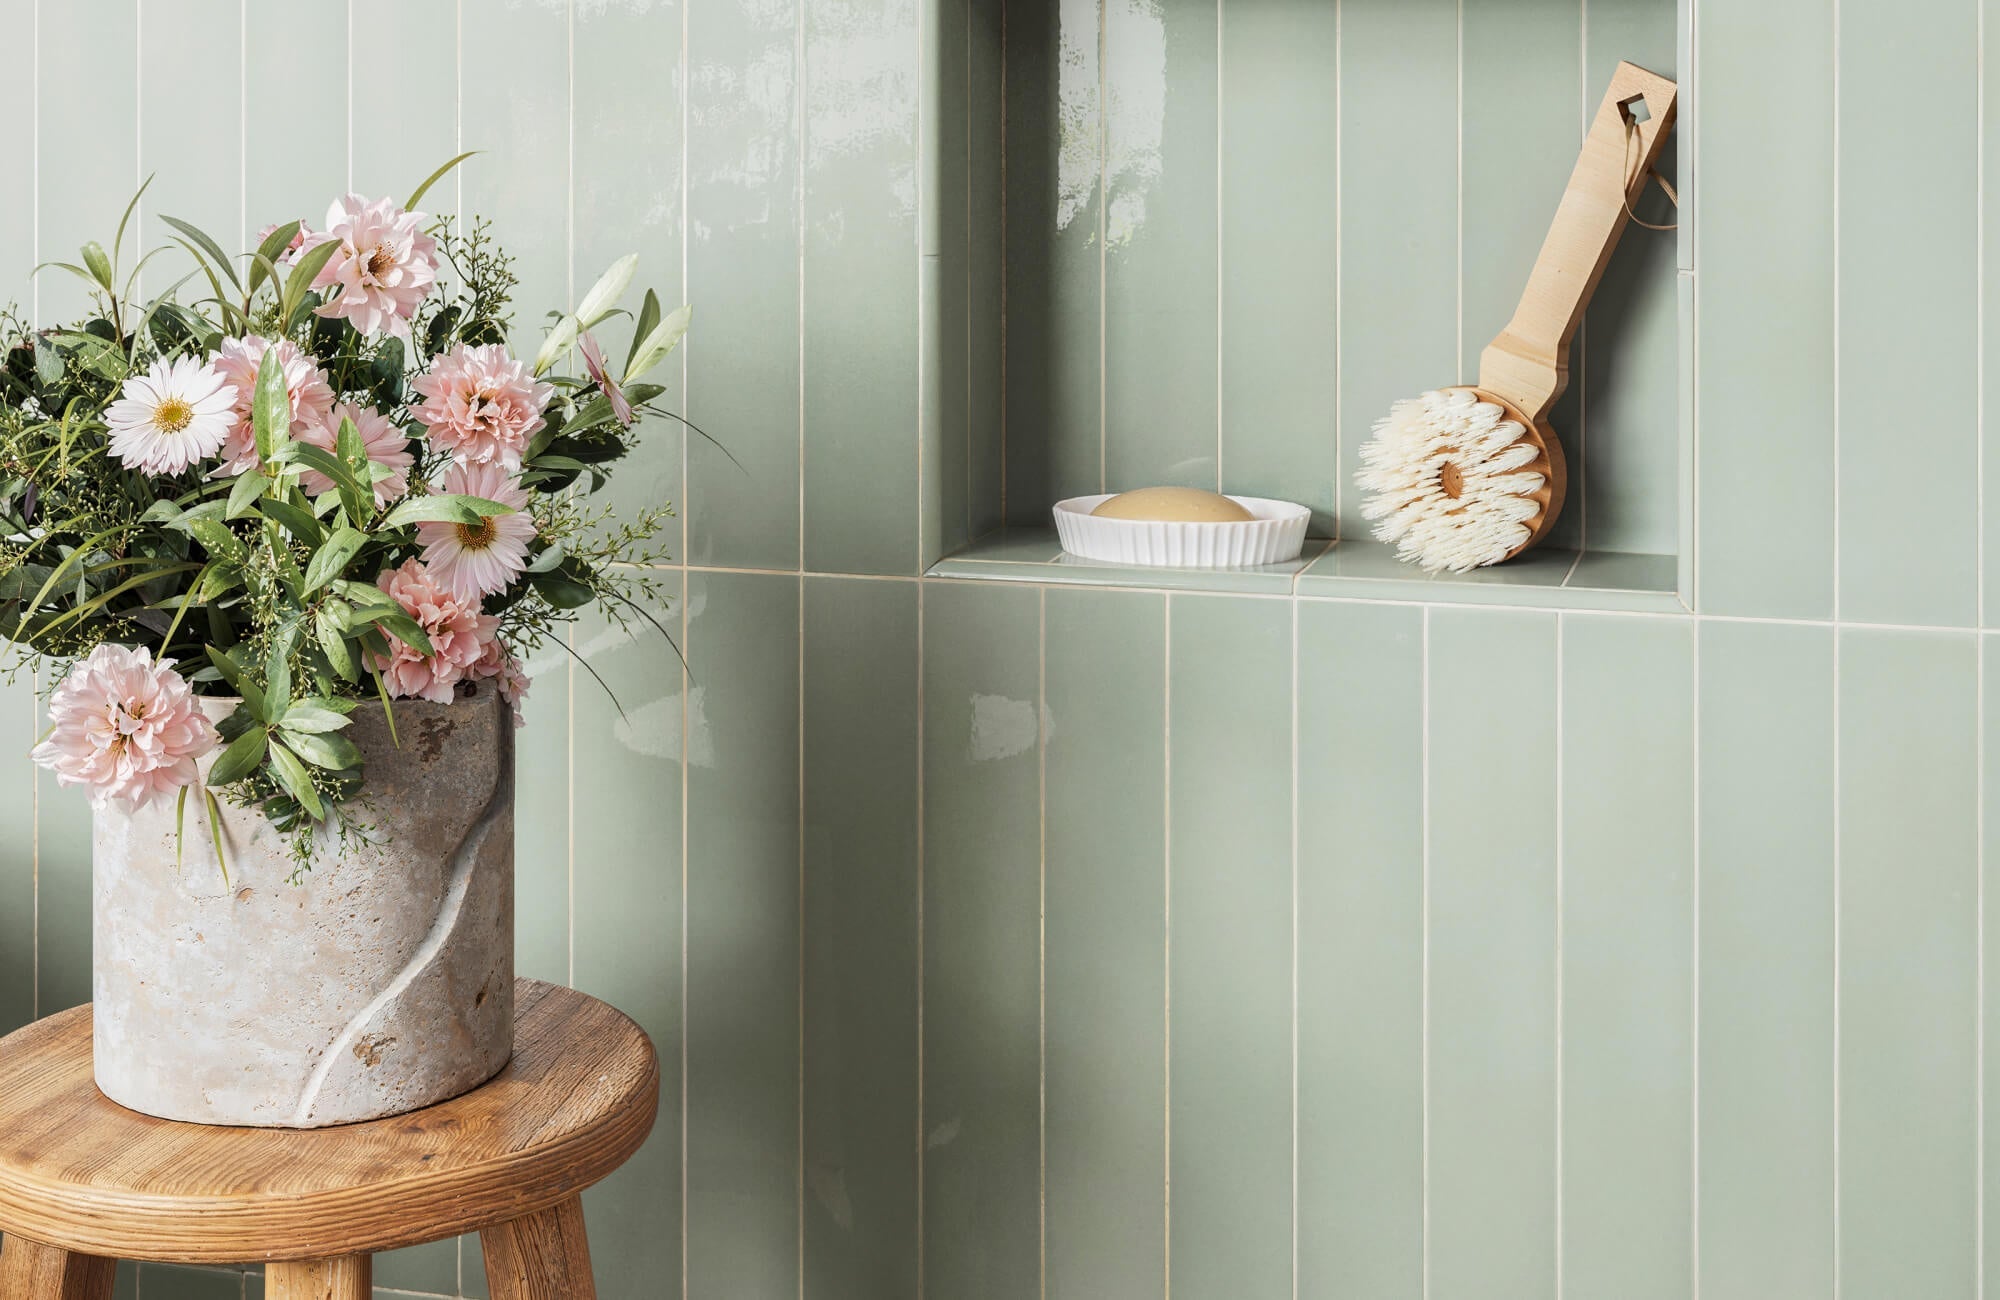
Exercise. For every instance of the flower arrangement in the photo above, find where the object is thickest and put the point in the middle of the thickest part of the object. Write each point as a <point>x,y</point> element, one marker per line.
<point>323,481</point>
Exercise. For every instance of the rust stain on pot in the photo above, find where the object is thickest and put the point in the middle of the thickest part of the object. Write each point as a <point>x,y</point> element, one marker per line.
<point>432,732</point>
<point>370,1048</point>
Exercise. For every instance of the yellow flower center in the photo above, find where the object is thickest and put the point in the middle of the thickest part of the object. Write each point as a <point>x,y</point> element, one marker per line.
<point>172,415</point>
<point>477,537</point>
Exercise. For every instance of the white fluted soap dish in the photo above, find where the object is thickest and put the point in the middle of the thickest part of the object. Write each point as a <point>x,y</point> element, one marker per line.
<point>1262,531</point>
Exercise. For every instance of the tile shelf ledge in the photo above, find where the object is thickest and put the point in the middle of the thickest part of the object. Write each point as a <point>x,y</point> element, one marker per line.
<point>1354,570</point>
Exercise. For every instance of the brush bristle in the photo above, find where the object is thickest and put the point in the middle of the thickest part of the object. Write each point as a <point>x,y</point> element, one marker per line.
<point>1403,473</point>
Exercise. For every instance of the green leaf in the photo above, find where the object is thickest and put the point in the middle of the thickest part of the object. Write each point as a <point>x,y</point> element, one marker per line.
<point>264,262</point>
<point>180,824</point>
<point>558,342</point>
<point>330,560</point>
<point>353,496</point>
<point>303,272</point>
<point>604,295</point>
<point>443,508</point>
<point>297,520</point>
<point>347,444</point>
<point>315,715</point>
<point>418,193</point>
<point>649,317</point>
<point>225,663</point>
<point>243,494</point>
<point>242,757</point>
<point>99,264</point>
<point>335,753</point>
<point>562,590</point>
<point>215,834</point>
<point>405,629</point>
<point>270,406</point>
<point>388,709</point>
<point>332,640</point>
<point>215,538</point>
<point>292,775</point>
<point>211,250</point>
<point>131,205</point>
<point>278,680</point>
<point>663,339</point>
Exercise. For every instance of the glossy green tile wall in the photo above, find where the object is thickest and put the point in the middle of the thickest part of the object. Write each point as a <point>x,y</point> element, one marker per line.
<point>1008,941</point>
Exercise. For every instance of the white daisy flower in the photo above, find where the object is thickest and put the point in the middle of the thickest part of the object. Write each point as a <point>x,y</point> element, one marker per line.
<point>175,414</point>
<point>474,560</point>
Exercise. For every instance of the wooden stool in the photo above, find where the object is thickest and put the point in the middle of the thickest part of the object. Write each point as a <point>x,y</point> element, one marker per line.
<point>85,1182</point>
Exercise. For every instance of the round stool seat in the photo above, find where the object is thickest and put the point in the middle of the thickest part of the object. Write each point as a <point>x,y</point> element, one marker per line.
<point>79,1173</point>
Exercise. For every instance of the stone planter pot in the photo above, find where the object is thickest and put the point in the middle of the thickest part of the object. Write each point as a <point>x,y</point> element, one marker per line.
<point>381,982</point>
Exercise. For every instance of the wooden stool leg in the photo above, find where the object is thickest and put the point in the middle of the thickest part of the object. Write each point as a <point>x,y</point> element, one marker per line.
<point>347,1278</point>
<point>32,1271</point>
<point>540,1257</point>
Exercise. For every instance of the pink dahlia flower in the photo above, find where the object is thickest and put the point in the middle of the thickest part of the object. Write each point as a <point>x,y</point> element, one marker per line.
<point>498,663</point>
<point>473,560</point>
<point>458,633</point>
<point>386,444</point>
<point>384,267</point>
<point>127,729</point>
<point>481,404</point>
<point>291,253</point>
<point>175,414</point>
<point>305,384</point>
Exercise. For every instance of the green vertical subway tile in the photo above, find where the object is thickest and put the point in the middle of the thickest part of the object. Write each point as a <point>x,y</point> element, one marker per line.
<point>859,332</point>
<point>1279,142</point>
<point>521,124</point>
<point>744,101</point>
<point>17,205</point>
<point>1765,363</point>
<point>1515,165</point>
<point>936,536</point>
<point>1054,160</point>
<point>472,1268</point>
<point>986,203</point>
<point>542,818</point>
<point>743,934</point>
<point>1989,290</point>
<point>90,159</point>
<point>197,175</point>
<point>1492,951</point>
<point>1229,831</point>
<point>1360,930</point>
<point>1766,961</point>
<point>19,718</point>
<point>1908,929</point>
<point>1630,364</point>
<point>1989,1030</point>
<point>1161,242</point>
<point>125,1283</point>
<point>405,97</point>
<point>431,1268</point>
<point>180,1282</point>
<point>1106,945</point>
<point>62,891</point>
<point>294,163</point>
<point>945,139</point>
<point>1908,313</point>
<point>1627,912</point>
<point>981,942</point>
<point>627,190</point>
<point>1398,223</point>
<point>861,900</point>
<point>627,920</point>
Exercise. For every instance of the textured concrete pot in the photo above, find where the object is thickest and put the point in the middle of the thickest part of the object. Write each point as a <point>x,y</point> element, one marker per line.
<point>383,981</point>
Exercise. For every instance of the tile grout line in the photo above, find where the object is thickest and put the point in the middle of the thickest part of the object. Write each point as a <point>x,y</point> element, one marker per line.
<point>1694,977</point>
<point>34,713</point>
<point>799,1174</point>
<point>1339,240</point>
<point>1221,136</point>
<point>920,941</point>
<point>1835,205</point>
<point>1167,944</point>
<point>1838,782</point>
<point>1424,945</point>
<point>687,702</point>
<point>1042,936</point>
<point>1582,370</point>
<point>800,96</point>
<point>1560,773</point>
<point>1978,976</point>
<point>1103,233</point>
<point>1004,463</point>
<point>1295,950</point>
<point>1458,191</point>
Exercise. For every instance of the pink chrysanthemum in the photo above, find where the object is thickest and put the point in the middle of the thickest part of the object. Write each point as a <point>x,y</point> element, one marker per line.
<point>384,267</point>
<point>387,445</point>
<point>127,729</point>
<point>305,384</point>
<point>299,236</point>
<point>175,414</point>
<point>457,631</point>
<point>498,663</point>
<point>481,404</point>
<point>473,560</point>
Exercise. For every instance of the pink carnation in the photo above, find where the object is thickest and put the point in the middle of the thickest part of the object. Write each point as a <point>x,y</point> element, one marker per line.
<point>481,404</point>
<point>383,268</point>
<point>498,663</point>
<point>458,634</point>
<point>311,396</point>
<point>127,729</point>
<point>386,444</point>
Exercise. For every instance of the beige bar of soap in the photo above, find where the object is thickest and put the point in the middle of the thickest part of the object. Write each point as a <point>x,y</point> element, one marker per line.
<point>1174,505</point>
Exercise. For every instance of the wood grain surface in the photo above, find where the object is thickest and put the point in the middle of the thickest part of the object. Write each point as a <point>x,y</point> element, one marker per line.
<point>81,1172</point>
<point>544,1256</point>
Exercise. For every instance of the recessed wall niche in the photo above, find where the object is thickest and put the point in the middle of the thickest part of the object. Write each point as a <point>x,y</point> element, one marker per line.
<point>1209,242</point>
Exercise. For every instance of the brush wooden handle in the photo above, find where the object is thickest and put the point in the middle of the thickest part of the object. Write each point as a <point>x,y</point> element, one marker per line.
<point>1528,364</point>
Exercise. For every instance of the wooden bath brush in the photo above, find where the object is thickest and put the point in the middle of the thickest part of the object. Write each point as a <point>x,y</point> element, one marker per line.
<point>1464,477</point>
